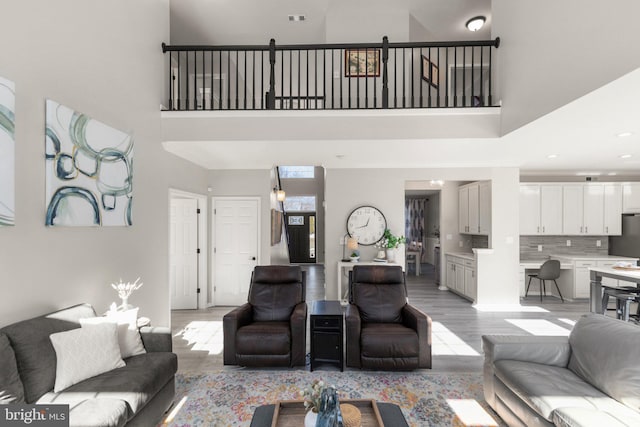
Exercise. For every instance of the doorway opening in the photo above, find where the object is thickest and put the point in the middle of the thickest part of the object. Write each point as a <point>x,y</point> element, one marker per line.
<point>302,212</point>
<point>188,261</point>
<point>422,229</point>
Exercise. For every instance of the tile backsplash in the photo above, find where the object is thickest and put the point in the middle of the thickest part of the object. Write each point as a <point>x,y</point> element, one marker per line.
<point>580,245</point>
<point>480,241</point>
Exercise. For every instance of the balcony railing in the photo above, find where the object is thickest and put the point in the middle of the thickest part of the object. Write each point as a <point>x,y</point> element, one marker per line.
<point>332,76</point>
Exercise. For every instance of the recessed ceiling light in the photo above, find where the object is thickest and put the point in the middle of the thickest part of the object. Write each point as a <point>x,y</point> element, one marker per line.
<point>296,18</point>
<point>552,156</point>
<point>625,156</point>
<point>475,23</point>
<point>588,174</point>
<point>624,134</point>
<point>612,174</point>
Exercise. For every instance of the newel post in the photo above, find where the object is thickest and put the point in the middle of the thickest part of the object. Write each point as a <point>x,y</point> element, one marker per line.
<point>271,95</point>
<point>385,77</point>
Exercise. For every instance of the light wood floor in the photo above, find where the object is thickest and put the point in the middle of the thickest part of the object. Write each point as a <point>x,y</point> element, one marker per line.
<point>457,326</point>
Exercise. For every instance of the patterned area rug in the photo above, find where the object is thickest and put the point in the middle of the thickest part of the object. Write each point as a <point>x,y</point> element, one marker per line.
<point>228,398</point>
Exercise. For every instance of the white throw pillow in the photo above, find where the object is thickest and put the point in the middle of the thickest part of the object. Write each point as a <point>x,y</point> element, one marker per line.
<point>84,353</point>
<point>128,334</point>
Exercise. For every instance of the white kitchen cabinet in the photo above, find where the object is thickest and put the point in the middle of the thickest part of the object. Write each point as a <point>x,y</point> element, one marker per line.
<point>529,209</point>
<point>461,276</point>
<point>474,208</point>
<point>612,209</point>
<point>631,197</point>
<point>540,209</point>
<point>582,278</point>
<point>550,209</point>
<point>572,209</point>
<point>451,273</point>
<point>583,209</point>
<point>463,209</point>
<point>484,207</point>
<point>470,285</point>
<point>459,267</point>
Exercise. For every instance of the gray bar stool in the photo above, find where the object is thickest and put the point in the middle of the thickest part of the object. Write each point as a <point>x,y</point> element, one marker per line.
<point>549,270</point>
<point>624,298</point>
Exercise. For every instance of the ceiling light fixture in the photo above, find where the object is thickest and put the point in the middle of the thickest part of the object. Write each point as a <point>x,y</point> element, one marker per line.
<point>625,156</point>
<point>612,174</point>
<point>624,134</point>
<point>296,18</point>
<point>552,156</point>
<point>475,23</point>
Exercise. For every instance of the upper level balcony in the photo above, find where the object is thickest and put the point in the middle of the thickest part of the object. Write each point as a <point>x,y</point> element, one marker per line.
<point>357,76</point>
<point>223,99</point>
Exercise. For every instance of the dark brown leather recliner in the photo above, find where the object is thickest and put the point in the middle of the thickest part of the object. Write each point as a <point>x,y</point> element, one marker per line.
<point>384,332</point>
<point>270,329</point>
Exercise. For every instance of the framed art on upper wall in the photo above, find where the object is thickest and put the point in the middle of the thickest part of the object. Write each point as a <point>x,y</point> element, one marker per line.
<point>429,72</point>
<point>7,152</point>
<point>362,62</point>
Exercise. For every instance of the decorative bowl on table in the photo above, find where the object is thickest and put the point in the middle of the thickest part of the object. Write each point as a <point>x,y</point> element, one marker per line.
<point>354,258</point>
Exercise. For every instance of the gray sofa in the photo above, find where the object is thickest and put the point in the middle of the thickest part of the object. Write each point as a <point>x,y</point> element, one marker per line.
<point>137,394</point>
<point>591,378</point>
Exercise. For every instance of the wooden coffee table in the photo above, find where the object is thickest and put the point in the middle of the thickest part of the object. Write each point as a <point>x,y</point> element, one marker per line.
<point>390,414</point>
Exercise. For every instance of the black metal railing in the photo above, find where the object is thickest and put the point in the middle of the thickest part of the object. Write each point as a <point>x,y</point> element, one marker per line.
<point>332,76</point>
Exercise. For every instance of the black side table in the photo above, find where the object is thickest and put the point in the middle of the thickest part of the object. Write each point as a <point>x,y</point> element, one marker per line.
<point>327,326</point>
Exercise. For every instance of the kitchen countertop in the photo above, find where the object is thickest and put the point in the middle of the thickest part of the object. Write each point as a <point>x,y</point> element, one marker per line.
<point>465,255</point>
<point>537,263</point>
<point>594,257</point>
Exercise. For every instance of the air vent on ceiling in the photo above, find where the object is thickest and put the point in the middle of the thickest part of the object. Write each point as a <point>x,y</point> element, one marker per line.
<point>296,18</point>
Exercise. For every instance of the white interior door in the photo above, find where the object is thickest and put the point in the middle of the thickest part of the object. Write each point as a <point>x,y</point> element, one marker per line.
<point>183,254</point>
<point>236,238</point>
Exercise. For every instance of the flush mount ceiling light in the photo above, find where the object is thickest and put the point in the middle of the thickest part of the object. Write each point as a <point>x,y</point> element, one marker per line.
<point>624,134</point>
<point>552,156</point>
<point>475,23</point>
<point>625,156</point>
<point>296,18</point>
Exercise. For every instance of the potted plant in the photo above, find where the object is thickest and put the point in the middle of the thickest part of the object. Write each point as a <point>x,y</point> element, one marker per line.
<point>355,256</point>
<point>390,243</point>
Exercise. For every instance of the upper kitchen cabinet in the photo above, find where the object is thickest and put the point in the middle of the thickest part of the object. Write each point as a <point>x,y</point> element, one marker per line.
<point>631,197</point>
<point>540,209</point>
<point>474,208</point>
<point>592,209</point>
<point>613,209</point>
<point>580,209</point>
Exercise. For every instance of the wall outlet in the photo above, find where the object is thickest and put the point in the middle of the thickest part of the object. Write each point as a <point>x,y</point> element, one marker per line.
<point>568,242</point>
<point>460,243</point>
<point>539,248</point>
<point>598,243</point>
<point>336,74</point>
<point>449,237</point>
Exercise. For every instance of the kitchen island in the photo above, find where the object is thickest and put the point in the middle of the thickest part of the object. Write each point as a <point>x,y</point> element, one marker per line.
<point>600,273</point>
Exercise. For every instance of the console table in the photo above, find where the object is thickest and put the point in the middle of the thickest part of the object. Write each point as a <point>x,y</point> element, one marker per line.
<point>343,272</point>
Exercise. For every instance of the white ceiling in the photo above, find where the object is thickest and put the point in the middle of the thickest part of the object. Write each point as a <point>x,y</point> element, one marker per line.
<point>582,134</point>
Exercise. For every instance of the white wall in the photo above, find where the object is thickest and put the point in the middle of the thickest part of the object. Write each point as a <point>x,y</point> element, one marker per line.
<point>372,18</point>
<point>552,52</point>
<point>103,59</point>
<point>347,189</point>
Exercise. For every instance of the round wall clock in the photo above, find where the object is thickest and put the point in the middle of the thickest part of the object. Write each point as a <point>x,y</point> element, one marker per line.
<point>367,224</point>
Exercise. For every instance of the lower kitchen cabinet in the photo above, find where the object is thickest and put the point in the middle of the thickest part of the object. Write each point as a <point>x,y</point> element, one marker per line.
<point>461,276</point>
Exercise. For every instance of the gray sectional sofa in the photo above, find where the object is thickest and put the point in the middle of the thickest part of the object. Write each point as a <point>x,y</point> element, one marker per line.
<point>137,394</point>
<point>591,378</point>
